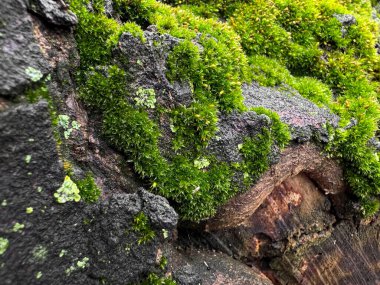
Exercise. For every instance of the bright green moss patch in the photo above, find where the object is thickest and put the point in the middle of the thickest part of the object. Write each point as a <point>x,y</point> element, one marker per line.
<point>194,126</point>
<point>88,190</point>
<point>153,279</point>
<point>142,227</point>
<point>298,43</point>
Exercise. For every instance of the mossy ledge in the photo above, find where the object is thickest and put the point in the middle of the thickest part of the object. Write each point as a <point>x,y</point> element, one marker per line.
<point>219,56</point>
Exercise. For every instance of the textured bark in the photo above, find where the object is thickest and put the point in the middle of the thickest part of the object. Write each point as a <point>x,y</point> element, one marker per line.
<point>306,158</point>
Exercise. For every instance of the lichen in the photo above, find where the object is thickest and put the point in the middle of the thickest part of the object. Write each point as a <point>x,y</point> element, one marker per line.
<point>145,98</point>
<point>28,158</point>
<point>18,227</point>
<point>34,74</point>
<point>4,244</point>
<point>80,264</point>
<point>67,192</point>
<point>29,210</point>
<point>68,127</point>
<point>39,253</point>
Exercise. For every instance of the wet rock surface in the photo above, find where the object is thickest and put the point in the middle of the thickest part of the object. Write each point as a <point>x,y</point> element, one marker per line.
<point>195,267</point>
<point>21,61</point>
<point>54,11</point>
<point>73,242</point>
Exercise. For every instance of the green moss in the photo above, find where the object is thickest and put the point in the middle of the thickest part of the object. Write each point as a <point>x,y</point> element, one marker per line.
<point>88,190</point>
<point>142,227</point>
<point>283,40</point>
<point>153,279</point>
<point>194,126</point>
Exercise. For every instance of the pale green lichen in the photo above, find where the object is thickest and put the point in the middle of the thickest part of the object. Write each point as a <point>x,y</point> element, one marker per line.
<point>145,98</point>
<point>201,163</point>
<point>64,122</point>
<point>67,192</point>
<point>63,253</point>
<point>4,244</point>
<point>81,264</point>
<point>39,253</point>
<point>17,227</point>
<point>28,158</point>
<point>4,203</point>
<point>35,75</point>
<point>29,210</point>
<point>38,275</point>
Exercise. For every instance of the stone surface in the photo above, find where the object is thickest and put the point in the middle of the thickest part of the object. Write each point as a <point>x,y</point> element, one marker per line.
<point>195,267</point>
<point>21,61</point>
<point>54,11</point>
<point>306,120</point>
<point>232,129</point>
<point>54,237</point>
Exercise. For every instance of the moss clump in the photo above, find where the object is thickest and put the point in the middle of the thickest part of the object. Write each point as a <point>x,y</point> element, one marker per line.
<point>285,39</point>
<point>153,279</point>
<point>256,150</point>
<point>88,190</point>
<point>142,227</point>
<point>215,76</point>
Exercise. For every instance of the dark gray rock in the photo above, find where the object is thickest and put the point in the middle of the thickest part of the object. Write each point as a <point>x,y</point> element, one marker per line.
<point>187,276</point>
<point>147,67</point>
<point>21,61</point>
<point>202,267</point>
<point>306,120</point>
<point>346,20</point>
<point>233,129</point>
<point>71,243</point>
<point>158,209</point>
<point>54,11</point>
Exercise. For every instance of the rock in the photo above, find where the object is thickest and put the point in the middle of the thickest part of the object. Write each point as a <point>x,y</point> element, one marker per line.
<point>306,120</point>
<point>147,67</point>
<point>195,267</point>
<point>21,61</point>
<point>159,210</point>
<point>346,20</point>
<point>53,11</point>
<point>70,243</point>
<point>232,129</point>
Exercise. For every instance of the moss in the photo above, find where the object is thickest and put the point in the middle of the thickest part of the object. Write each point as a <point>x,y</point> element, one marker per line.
<point>4,244</point>
<point>153,279</point>
<point>142,227</point>
<point>88,190</point>
<point>194,126</point>
<point>282,40</point>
